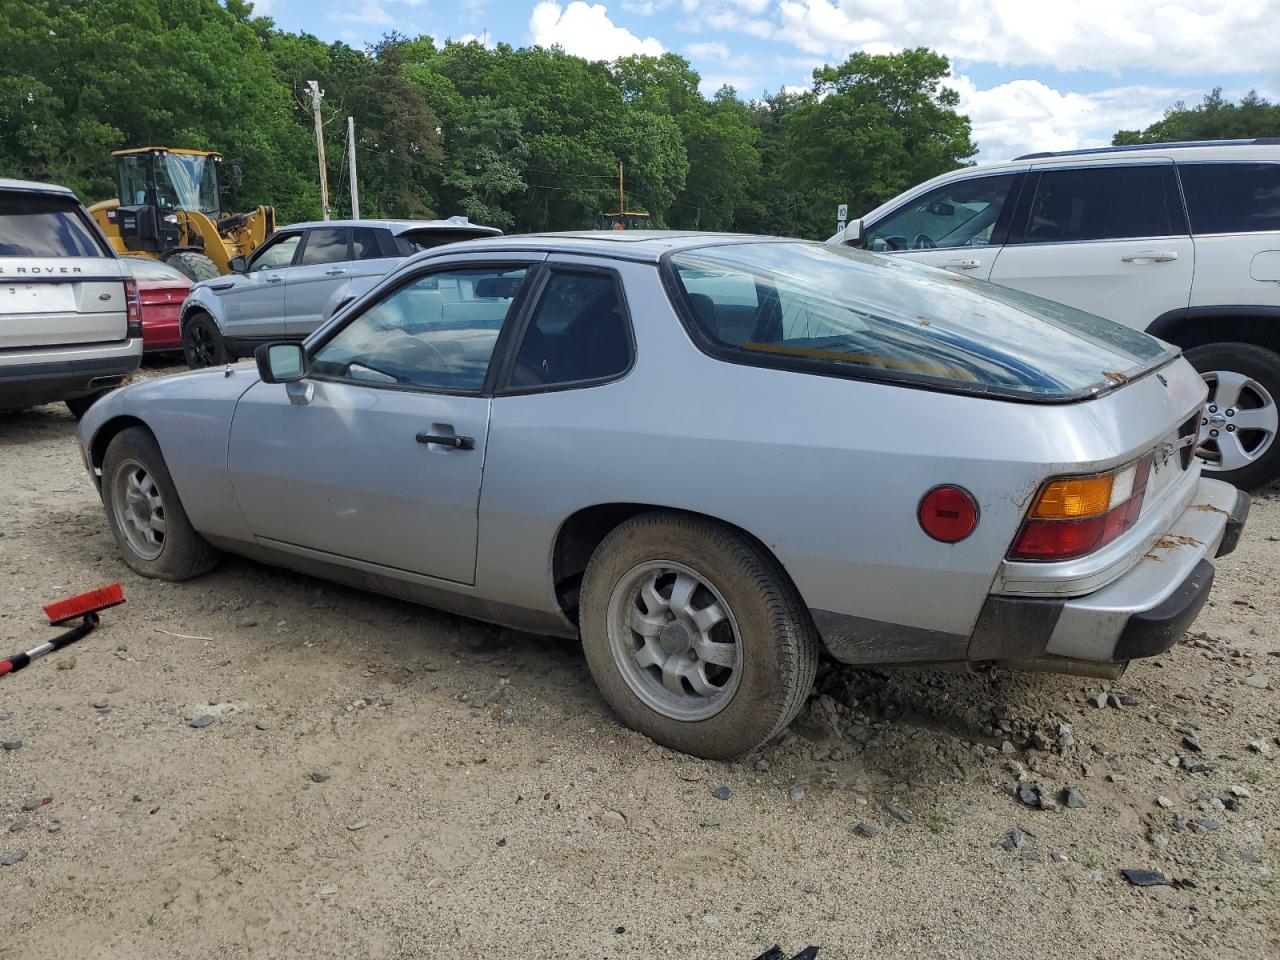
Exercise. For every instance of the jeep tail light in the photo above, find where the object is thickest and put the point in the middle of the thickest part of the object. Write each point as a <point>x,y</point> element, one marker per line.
<point>947,513</point>
<point>133,308</point>
<point>1074,516</point>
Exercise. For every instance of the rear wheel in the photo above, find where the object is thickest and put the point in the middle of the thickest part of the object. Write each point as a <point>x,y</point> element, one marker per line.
<point>202,343</point>
<point>147,519</point>
<point>194,266</point>
<point>1240,420</point>
<point>695,635</point>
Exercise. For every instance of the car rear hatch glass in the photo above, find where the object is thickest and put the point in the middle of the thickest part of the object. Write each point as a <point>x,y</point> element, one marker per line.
<point>58,282</point>
<point>840,312</point>
<point>427,238</point>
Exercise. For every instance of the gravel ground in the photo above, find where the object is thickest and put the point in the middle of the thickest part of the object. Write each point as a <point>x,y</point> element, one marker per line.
<point>382,780</point>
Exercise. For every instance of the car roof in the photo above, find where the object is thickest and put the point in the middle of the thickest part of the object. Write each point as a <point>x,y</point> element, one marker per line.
<point>399,226</point>
<point>643,245</point>
<point>31,186</point>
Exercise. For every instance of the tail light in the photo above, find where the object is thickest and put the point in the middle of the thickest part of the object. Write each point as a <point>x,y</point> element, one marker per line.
<point>133,307</point>
<point>1075,516</point>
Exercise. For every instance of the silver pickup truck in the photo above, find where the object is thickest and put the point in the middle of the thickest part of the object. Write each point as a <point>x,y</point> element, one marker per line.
<point>70,319</point>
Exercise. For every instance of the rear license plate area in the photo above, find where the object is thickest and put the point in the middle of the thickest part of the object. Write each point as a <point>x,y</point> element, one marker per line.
<point>37,298</point>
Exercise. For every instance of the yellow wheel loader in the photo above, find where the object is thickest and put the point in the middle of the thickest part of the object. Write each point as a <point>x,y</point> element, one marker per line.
<point>170,208</point>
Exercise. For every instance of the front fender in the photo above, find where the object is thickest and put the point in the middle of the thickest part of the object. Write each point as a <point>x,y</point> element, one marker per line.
<point>190,415</point>
<point>204,299</point>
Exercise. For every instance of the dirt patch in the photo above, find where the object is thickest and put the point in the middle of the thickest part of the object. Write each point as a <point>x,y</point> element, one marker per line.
<point>379,779</point>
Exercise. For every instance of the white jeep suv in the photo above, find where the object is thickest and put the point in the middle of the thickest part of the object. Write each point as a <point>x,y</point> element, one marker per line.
<point>1181,240</point>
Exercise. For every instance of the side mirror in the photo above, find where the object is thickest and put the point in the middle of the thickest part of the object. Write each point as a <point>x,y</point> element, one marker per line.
<point>853,234</point>
<point>238,264</point>
<point>237,176</point>
<point>280,362</point>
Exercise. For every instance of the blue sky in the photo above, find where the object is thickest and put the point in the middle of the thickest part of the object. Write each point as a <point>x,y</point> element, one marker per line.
<point>1032,76</point>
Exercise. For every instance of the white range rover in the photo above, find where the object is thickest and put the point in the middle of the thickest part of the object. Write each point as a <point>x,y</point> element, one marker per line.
<point>70,318</point>
<point>1181,240</point>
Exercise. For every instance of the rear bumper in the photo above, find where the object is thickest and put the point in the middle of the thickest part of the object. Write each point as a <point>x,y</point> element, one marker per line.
<point>1140,614</point>
<point>32,377</point>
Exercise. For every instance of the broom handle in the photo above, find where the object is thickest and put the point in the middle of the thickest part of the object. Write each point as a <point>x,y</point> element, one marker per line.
<point>19,660</point>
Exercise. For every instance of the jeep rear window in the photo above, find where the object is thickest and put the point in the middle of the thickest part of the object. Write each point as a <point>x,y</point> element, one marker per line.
<point>831,310</point>
<point>1232,197</point>
<point>44,225</point>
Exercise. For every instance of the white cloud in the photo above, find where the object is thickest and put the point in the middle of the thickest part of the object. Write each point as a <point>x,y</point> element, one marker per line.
<point>371,12</point>
<point>1179,36</point>
<point>645,8</point>
<point>1026,116</point>
<point>710,50</point>
<point>585,30</point>
<point>486,40</point>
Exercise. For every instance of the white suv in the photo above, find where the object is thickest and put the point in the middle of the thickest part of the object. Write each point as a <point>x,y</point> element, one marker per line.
<point>1179,239</point>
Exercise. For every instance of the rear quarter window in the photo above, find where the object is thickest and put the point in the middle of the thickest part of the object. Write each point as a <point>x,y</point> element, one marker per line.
<point>1232,197</point>
<point>818,308</point>
<point>44,225</point>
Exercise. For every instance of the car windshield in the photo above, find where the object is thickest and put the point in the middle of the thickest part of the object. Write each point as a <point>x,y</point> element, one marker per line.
<point>45,225</point>
<point>832,310</point>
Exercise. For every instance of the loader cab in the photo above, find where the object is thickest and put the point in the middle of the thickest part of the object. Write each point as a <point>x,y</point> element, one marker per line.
<point>154,184</point>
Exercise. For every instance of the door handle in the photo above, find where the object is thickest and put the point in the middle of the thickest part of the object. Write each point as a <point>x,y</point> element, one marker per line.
<point>336,271</point>
<point>963,264</point>
<point>448,440</point>
<point>1150,256</point>
<point>274,279</point>
<point>221,286</point>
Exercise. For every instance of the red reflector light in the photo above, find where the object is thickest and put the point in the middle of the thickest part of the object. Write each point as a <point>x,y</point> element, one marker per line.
<point>948,514</point>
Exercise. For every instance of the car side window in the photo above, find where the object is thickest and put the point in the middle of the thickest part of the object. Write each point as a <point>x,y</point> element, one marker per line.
<point>437,332</point>
<point>579,332</point>
<point>364,244</point>
<point>325,245</point>
<point>1103,203</point>
<point>1232,197</point>
<point>276,253</point>
<point>959,214</point>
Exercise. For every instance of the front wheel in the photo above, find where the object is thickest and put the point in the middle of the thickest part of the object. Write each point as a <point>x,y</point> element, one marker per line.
<point>202,343</point>
<point>147,519</point>
<point>1240,420</point>
<point>695,635</point>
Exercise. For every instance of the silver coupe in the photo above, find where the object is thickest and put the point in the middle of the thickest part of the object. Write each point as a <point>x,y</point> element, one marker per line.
<point>707,456</point>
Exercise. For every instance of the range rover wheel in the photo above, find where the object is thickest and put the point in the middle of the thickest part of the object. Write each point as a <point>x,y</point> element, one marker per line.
<point>147,519</point>
<point>695,635</point>
<point>1240,420</point>
<point>202,343</point>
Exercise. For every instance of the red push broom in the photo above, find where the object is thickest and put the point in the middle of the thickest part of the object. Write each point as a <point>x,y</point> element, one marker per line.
<point>87,606</point>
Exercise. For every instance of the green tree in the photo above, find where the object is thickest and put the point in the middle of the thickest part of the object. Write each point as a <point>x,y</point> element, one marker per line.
<point>871,127</point>
<point>487,156</point>
<point>1214,118</point>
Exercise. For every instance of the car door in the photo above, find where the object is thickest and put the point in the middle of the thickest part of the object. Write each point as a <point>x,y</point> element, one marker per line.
<point>958,226</point>
<point>323,268</point>
<point>253,302</point>
<point>376,457</point>
<point>1107,238</point>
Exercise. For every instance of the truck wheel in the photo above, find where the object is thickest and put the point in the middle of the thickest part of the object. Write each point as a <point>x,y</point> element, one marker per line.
<point>202,343</point>
<point>1240,420</point>
<point>147,519</point>
<point>695,635</point>
<point>194,266</point>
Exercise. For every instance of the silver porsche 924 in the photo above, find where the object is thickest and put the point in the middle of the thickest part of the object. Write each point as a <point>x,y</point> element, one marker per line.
<point>705,455</point>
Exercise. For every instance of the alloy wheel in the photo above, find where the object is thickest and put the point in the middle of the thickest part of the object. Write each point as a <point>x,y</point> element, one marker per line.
<point>675,640</point>
<point>139,509</point>
<point>1239,421</point>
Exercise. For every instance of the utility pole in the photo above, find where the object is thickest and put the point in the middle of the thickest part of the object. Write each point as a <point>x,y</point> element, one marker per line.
<point>622,203</point>
<point>351,153</point>
<point>316,95</point>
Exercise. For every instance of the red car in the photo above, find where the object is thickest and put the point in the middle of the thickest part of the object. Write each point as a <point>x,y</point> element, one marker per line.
<point>161,289</point>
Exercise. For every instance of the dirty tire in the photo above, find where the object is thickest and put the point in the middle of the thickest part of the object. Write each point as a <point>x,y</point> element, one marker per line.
<point>202,343</point>
<point>1263,367</point>
<point>184,553</point>
<point>194,266</point>
<point>779,646</point>
<point>79,406</point>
